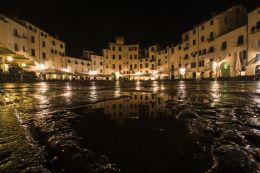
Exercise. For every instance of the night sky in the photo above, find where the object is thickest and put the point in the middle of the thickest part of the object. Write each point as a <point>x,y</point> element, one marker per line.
<point>91,25</point>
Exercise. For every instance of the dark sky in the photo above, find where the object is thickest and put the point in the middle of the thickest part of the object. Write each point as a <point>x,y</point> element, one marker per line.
<point>85,24</point>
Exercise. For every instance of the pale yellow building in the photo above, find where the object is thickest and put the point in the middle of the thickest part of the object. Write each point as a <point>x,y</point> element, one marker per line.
<point>253,67</point>
<point>121,60</point>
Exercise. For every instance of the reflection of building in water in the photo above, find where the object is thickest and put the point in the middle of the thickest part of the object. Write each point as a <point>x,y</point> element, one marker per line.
<point>135,106</point>
<point>138,105</point>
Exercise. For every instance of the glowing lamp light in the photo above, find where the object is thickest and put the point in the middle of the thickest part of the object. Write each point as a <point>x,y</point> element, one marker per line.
<point>23,65</point>
<point>66,69</point>
<point>10,59</point>
<point>40,66</point>
<point>226,66</point>
<point>93,72</point>
<point>154,72</point>
<point>182,70</point>
<point>214,65</point>
<point>138,73</point>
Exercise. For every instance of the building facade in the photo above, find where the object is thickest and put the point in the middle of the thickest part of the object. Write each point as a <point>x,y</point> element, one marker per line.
<point>226,45</point>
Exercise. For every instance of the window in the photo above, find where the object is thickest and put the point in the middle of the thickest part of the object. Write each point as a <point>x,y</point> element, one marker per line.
<point>146,65</point>
<point>24,49</point>
<point>113,48</point>
<point>179,47</point>
<point>194,42</point>
<point>211,35</point>
<point>61,46</point>
<point>135,56</point>
<point>114,66</point>
<point>16,33</point>
<point>202,38</point>
<point>211,49</point>
<point>258,43</point>
<point>224,45</point>
<point>43,44</point>
<point>52,51</point>
<point>202,27</point>
<point>258,25</point>
<point>243,54</point>
<point>194,31</point>
<point>94,62</point>
<point>43,55</point>
<point>135,66</point>
<point>238,10</point>
<point>120,67</point>
<point>211,22</point>
<point>16,47</point>
<point>33,52</point>
<point>141,65</point>
<point>201,63</point>
<point>226,20</point>
<point>42,34</point>
<point>240,40</point>
<point>53,43</point>
<point>100,71</point>
<point>120,56</point>
<point>101,63</point>
<point>193,65</point>
<point>131,56</point>
<point>32,39</point>
<point>119,49</point>
<point>113,57</point>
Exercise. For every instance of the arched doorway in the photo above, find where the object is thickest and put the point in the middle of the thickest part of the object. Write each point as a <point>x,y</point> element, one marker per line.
<point>225,69</point>
<point>202,75</point>
<point>194,75</point>
<point>257,71</point>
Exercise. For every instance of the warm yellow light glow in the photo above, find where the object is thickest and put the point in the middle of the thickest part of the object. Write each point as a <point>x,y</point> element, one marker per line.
<point>93,72</point>
<point>138,73</point>
<point>23,65</point>
<point>66,69</point>
<point>40,66</point>
<point>214,65</point>
<point>10,59</point>
<point>117,75</point>
<point>182,70</point>
<point>153,78</point>
<point>154,72</point>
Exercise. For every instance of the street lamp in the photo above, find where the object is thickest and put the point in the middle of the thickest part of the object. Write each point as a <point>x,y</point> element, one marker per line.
<point>10,59</point>
<point>23,65</point>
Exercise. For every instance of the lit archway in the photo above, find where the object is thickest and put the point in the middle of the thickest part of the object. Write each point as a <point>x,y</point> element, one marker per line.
<point>225,69</point>
<point>257,71</point>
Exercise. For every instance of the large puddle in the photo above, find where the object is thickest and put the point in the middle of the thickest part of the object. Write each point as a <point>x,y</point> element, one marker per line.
<point>132,127</point>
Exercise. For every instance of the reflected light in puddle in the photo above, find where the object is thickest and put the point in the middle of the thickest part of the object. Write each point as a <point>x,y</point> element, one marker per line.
<point>93,91</point>
<point>117,89</point>
<point>155,86</point>
<point>181,90</point>
<point>138,85</point>
<point>215,92</point>
<point>43,87</point>
<point>67,94</point>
